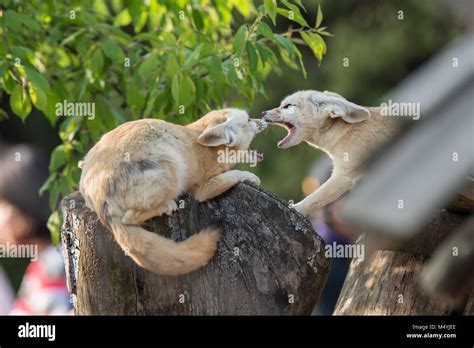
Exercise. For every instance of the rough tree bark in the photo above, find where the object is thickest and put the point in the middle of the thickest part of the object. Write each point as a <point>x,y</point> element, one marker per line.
<point>269,261</point>
<point>388,282</point>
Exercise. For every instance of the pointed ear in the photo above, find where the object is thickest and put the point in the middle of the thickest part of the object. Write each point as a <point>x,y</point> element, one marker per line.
<point>216,135</point>
<point>332,94</point>
<point>348,111</point>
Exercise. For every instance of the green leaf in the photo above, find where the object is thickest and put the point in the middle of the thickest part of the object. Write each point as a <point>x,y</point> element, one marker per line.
<point>239,40</point>
<point>100,8</point>
<point>29,22</point>
<point>19,102</point>
<point>183,90</point>
<point>3,50</point>
<point>58,158</point>
<point>266,54</point>
<point>316,43</point>
<point>147,66</point>
<point>8,81</point>
<point>252,56</point>
<point>325,33</point>
<point>68,129</point>
<point>271,9</point>
<point>52,100</point>
<point>47,184</point>
<point>187,91</point>
<point>295,16</point>
<point>300,4</point>
<point>233,77</point>
<point>140,21</point>
<point>62,57</point>
<point>38,97</point>
<point>264,30</point>
<point>146,37</point>
<point>215,67</point>
<point>303,69</point>
<point>172,66</point>
<point>123,18</point>
<point>193,57</point>
<point>286,43</point>
<point>70,38</point>
<point>113,51</point>
<point>197,18</point>
<point>12,20</point>
<point>54,225</point>
<point>319,17</point>
<point>97,61</point>
<point>287,60</point>
<point>53,201</point>
<point>135,98</point>
<point>104,112</point>
<point>87,19</point>
<point>37,79</point>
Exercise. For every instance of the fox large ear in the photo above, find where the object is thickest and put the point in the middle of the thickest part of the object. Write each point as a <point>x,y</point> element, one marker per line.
<point>332,94</point>
<point>337,106</point>
<point>216,135</point>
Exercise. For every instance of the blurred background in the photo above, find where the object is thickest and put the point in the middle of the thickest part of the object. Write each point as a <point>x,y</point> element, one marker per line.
<point>372,50</point>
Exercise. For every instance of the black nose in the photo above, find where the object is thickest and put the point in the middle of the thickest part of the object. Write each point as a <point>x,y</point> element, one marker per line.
<point>263,114</point>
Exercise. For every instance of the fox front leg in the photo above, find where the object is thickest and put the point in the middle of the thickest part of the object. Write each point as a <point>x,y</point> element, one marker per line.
<point>331,190</point>
<point>222,182</point>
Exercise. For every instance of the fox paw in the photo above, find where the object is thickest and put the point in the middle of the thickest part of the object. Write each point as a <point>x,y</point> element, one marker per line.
<point>301,208</point>
<point>250,177</point>
<point>170,208</point>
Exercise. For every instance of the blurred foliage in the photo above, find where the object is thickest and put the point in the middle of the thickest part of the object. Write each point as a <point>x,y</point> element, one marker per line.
<point>381,49</point>
<point>168,59</point>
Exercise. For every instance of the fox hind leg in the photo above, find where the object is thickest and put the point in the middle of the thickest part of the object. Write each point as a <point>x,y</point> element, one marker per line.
<point>153,195</point>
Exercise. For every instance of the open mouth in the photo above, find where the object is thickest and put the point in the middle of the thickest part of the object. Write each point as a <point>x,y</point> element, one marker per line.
<point>291,129</point>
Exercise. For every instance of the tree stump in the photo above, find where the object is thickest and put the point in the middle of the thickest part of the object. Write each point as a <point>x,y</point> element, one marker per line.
<point>388,282</point>
<point>269,261</point>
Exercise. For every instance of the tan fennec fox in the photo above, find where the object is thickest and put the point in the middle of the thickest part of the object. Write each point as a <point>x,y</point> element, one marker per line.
<point>136,172</point>
<point>347,132</point>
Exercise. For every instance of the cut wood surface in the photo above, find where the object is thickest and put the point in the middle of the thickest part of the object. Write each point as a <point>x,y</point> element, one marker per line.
<point>388,282</point>
<point>269,261</point>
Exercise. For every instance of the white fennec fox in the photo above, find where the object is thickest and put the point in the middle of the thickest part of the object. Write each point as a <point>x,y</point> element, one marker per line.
<point>347,132</point>
<point>136,172</point>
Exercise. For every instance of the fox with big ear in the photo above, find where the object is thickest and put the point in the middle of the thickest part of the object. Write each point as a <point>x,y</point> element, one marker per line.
<point>138,170</point>
<point>347,132</point>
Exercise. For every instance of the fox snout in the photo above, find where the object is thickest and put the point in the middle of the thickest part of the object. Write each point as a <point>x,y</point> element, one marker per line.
<point>268,116</point>
<point>265,115</point>
<point>261,125</point>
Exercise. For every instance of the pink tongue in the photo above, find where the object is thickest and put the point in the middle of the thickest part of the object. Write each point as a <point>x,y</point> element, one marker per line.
<point>285,140</point>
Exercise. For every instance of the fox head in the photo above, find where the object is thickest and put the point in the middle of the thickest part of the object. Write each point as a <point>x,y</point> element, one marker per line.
<point>229,127</point>
<point>304,112</point>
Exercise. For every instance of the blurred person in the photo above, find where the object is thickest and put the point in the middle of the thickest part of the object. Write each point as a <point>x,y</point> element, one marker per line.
<point>6,293</point>
<point>332,229</point>
<point>23,220</point>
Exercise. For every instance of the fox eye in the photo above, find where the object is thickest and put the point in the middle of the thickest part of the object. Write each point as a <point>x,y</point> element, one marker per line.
<point>288,105</point>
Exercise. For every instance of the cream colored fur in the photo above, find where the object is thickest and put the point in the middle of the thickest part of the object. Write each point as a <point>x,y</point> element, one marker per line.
<point>347,132</point>
<point>138,170</point>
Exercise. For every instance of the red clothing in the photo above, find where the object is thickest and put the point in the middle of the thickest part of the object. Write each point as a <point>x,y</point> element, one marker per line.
<point>43,289</point>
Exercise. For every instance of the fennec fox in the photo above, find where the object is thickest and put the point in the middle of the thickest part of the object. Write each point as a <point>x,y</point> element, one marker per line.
<point>136,172</point>
<point>347,132</point>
